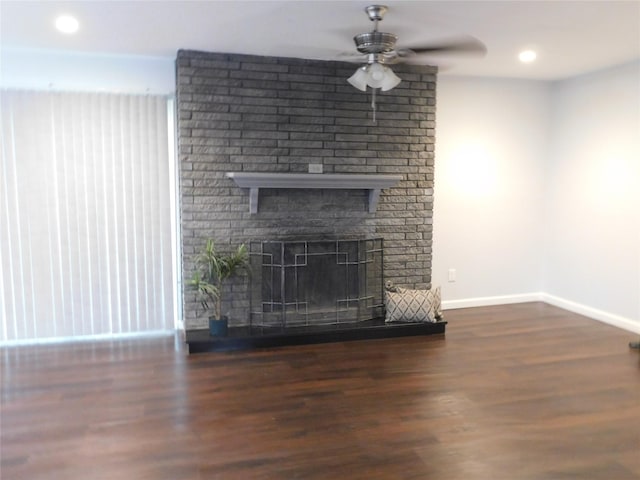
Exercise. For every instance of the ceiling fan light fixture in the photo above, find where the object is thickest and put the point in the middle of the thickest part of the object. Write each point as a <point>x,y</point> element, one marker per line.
<point>359,79</point>
<point>374,75</point>
<point>391,80</point>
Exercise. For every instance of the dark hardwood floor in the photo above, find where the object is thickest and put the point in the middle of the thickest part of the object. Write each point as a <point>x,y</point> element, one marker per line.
<point>523,391</point>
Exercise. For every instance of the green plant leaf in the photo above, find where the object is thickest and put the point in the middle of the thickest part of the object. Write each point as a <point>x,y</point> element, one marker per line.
<point>212,269</point>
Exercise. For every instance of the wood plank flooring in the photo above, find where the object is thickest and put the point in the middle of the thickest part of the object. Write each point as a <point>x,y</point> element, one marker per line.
<point>514,392</point>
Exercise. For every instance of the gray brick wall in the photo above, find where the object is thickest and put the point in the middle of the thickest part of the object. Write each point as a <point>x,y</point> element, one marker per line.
<point>246,114</point>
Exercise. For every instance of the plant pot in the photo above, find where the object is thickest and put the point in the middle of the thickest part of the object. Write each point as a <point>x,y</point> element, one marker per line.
<point>218,327</point>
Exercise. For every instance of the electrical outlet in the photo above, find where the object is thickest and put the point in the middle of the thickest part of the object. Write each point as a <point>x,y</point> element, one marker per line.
<point>452,274</point>
<point>315,168</point>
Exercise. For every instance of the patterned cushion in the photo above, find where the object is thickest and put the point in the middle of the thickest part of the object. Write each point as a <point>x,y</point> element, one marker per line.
<point>405,305</point>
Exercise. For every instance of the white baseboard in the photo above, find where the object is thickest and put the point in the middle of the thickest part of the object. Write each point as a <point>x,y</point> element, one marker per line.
<point>86,338</point>
<point>488,301</point>
<point>600,315</point>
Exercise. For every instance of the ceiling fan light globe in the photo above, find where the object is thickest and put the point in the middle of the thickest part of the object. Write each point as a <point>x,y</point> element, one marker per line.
<point>391,80</point>
<point>359,79</point>
<point>376,75</point>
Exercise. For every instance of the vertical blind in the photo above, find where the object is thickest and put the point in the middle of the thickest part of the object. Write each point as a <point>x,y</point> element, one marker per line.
<point>86,237</point>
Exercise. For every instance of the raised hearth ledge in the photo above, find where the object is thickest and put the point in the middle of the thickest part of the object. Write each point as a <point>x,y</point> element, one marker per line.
<point>254,181</point>
<point>247,337</point>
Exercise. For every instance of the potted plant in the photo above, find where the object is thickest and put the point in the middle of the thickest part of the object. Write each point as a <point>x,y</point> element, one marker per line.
<point>213,268</point>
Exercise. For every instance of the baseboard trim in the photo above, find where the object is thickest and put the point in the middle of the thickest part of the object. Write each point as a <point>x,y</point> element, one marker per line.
<point>86,338</point>
<point>593,313</point>
<point>489,301</point>
<point>600,315</point>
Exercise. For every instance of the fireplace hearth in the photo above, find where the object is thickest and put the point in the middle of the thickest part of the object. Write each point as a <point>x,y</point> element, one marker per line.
<point>313,292</point>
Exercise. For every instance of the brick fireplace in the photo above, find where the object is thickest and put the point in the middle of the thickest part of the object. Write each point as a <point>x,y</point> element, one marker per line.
<point>239,113</point>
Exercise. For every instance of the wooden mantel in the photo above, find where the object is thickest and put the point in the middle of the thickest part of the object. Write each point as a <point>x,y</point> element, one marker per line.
<point>254,181</point>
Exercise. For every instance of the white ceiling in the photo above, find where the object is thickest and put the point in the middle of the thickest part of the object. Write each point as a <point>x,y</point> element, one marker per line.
<point>571,37</point>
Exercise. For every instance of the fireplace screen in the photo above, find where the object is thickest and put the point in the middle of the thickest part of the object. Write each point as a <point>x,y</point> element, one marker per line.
<point>325,282</point>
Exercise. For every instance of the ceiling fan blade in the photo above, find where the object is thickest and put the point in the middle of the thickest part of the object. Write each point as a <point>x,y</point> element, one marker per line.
<point>466,45</point>
<point>351,57</point>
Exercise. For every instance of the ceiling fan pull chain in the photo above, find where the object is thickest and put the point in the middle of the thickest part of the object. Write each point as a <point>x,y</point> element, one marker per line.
<point>373,103</point>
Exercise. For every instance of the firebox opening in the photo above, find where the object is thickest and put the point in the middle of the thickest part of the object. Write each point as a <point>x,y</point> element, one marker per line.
<point>323,282</point>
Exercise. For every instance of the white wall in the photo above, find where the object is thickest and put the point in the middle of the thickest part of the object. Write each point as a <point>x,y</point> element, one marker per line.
<point>492,137</point>
<point>52,70</point>
<point>593,193</point>
<point>537,193</point>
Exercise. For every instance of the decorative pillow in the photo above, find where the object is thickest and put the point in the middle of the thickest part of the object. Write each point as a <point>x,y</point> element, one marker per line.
<point>406,305</point>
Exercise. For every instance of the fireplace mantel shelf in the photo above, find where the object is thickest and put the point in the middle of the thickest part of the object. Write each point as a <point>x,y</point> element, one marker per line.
<point>254,181</point>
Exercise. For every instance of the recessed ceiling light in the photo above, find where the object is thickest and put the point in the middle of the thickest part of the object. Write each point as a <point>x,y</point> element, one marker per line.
<point>527,56</point>
<point>67,24</point>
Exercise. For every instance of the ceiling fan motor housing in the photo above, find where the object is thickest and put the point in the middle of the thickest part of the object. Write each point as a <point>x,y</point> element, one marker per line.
<point>375,42</point>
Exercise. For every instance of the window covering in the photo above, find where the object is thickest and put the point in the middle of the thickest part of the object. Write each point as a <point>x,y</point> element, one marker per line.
<point>86,238</point>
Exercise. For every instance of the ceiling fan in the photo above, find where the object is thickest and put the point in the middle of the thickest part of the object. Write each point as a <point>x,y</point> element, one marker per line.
<point>378,49</point>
